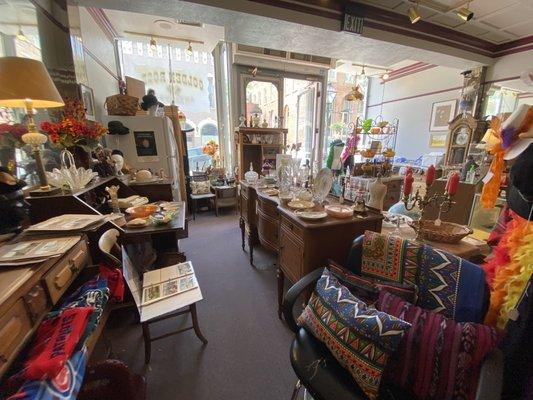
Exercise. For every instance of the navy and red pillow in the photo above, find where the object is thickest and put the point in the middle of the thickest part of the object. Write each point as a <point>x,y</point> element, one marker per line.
<point>437,358</point>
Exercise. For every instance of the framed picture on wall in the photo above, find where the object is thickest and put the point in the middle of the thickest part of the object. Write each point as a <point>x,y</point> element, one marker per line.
<point>441,114</point>
<point>87,99</point>
<point>437,139</point>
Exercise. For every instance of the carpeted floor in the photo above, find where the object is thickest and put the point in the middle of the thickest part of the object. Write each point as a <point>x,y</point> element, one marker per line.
<point>247,356</point>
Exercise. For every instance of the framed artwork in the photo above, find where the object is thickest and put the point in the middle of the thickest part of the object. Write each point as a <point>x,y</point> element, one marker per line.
<point>441,114</point>
<point>87,99</point>
<point>437,139</point>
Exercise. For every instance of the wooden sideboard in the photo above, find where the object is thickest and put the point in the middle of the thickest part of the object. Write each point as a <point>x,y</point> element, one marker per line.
<point>307,245</point>
<point>28,293</point>
<point>248,216</point>
<point>268,221</point>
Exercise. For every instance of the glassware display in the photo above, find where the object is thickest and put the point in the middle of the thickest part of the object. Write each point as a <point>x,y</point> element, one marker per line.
<point>285,177</point>
<point>251,176</point>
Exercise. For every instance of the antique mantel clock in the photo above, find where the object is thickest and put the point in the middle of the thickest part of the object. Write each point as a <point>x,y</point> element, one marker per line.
<point>461,132</point>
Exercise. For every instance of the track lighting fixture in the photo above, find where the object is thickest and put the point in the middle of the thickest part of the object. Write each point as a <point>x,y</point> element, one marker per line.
<point>21,36</point>
<point>464,13</point>
<point>363,71</point>
<point>189,49</point>
<point>153,44</point>
<point>414,15</point>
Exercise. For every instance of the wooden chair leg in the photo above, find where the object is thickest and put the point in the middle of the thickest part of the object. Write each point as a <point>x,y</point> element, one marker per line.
<point>147,343</point>
<point>195,324</point>
<point>281,281</point>
<point>296,390</point>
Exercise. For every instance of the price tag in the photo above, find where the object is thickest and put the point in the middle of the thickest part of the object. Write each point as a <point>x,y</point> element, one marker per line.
<point>488,177</point>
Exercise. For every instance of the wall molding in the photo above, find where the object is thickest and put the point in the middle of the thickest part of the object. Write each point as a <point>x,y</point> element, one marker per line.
<point>100,62</point>
<point>102,21</point>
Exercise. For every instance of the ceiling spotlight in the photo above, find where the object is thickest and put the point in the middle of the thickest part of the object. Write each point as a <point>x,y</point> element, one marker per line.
<point>414,16</point>
<point>464,13</point>
<point>363,71</point>
<point>153,44</point>
<point>189,49</point>
<point>21,36</point>
<point>385,76</point>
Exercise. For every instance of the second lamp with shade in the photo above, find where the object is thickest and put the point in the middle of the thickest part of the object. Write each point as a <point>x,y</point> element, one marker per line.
<point>25,83</point>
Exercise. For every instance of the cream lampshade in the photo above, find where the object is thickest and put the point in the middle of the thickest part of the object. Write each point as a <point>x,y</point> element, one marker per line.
<point>25,83</point>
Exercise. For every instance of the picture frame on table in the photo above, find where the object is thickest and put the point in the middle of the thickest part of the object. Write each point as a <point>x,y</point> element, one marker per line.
<point>438,139</point>
<point>87,99</point>
<point>442,112</point>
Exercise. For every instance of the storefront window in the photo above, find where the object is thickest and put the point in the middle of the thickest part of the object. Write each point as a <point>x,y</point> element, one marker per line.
<point>187,80</point>
<point>262,100</point>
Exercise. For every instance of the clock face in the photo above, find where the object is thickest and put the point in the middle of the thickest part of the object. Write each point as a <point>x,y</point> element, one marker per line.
<point>461,138</point>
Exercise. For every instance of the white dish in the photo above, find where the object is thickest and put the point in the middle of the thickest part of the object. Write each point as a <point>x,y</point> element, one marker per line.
<point>301,205</point>
<point>311,215</point>
<point>137,223</point>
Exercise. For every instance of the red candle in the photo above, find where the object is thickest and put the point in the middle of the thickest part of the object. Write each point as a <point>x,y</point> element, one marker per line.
<point>430,175</point>
<point>408,184</point>
<point>452,184</point>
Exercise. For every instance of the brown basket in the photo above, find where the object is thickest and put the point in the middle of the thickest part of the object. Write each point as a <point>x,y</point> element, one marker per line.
<point>122,104</point>
<point>447,232</point>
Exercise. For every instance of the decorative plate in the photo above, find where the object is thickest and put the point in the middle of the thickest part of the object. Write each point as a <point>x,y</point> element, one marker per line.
<point>272,192</point>
<point>301,205</point>
<point>137,223</point>
<point>339,211</point>
<point>311,215</point>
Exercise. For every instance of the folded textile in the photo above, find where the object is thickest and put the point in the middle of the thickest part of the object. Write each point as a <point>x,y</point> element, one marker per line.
<point>55,341</point>
<point>64,386</point>
<point>438,358</point>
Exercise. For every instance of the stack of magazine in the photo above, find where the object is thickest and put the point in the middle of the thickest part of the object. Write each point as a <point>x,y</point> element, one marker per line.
<point>31,251</point>
<point>67,223</point>
<point>165,282</point>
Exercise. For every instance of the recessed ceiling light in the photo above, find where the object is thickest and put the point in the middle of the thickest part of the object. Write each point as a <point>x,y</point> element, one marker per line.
<point>414,15</point>
<point>385,76</point>
<point>153,44</point>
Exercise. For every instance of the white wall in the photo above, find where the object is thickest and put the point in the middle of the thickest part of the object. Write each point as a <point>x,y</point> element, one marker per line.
<point>414,113</point>
<point>509,66</point>
<point>99,52</point>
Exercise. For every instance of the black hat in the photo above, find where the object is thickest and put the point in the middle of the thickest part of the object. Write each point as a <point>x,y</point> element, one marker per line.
<point>520,191</point>
<point>117,128</point>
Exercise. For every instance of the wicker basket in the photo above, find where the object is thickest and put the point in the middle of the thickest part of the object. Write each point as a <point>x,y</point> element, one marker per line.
<point>122,104</point>
<point>447,232</point>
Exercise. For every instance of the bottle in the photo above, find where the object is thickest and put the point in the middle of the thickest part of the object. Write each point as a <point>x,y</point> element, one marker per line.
<point>471,174</point>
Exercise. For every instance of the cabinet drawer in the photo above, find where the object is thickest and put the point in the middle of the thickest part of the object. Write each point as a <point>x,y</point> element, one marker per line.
<point>267,228</point>
<point>36,302</point>
<point>269,209</point>
<point>245,191</point>
<point>292,227</point>
<point>14,327</point>
<point>59,278</point>
<point>291,254</point>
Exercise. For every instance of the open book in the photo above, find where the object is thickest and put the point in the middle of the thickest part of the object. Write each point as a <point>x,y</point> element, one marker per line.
<point>165,282</point>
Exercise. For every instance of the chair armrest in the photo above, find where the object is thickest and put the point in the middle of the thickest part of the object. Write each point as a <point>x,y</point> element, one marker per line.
<point>294,292</point>
<point>355,255</point>
<point>490,382</point>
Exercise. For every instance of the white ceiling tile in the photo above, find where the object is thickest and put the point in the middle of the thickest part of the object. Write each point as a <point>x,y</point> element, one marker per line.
<point>384,3</point>
<point>510,16</point>
<point>450,21</point>
<point>525,29</point>
<point>424,12</point>
<point>473,29</point>
<point>497,37</point>
<point>485,7</point>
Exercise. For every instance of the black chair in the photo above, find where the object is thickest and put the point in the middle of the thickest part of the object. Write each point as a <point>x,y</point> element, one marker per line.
<point>325,379</point>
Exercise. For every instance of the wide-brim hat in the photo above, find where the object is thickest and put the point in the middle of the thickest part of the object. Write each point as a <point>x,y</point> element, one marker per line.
<point>519,141</point>
<point>117,128</point>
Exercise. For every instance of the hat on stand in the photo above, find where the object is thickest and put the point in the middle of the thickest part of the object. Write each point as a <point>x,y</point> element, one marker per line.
<point>117,128</point>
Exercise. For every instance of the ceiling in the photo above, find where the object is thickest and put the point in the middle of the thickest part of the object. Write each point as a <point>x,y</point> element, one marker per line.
<point>17,12</point>
<point>126,22</point>
<point>496,21</point>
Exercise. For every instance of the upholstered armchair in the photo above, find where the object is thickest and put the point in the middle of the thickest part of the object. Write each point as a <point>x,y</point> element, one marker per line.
<point>320,373</point>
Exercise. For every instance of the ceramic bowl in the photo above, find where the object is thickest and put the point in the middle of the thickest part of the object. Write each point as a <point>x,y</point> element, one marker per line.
<point>338,210</point>
<point>137,223</point>
<point>142,211</point>
<point>143,176</point>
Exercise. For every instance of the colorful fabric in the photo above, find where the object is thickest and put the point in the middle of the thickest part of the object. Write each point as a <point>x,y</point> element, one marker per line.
<point>508,269</point>
<point>438,358</point>
<point>64,386</point>
<point>115,281</point>
<point>369,288</point>
<point>359,337</point>
<point>451,286</point>
<point>390,258</point>
<point>55,342</point>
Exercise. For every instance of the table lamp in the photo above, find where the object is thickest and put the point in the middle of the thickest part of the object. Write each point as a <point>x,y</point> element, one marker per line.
<point>25,83</point>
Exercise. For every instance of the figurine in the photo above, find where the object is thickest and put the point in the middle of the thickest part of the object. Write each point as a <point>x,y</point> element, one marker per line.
<point>264,124</point>
<point>256,120</point>
<point>242,121</point>
<point>113,194</point>
<point>377,190</point>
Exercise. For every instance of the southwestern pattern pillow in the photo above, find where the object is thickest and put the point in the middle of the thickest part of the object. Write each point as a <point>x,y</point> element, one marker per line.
<point>367,289</point>
<point>438,358</point>
<point>359,337</point>
<point>390,258</point>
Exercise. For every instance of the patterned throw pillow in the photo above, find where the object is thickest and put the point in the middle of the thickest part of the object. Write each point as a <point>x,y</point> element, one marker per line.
<point>438,358</point>
<point>367,289</point>
<point>390,258</point>
<point>359,337</point>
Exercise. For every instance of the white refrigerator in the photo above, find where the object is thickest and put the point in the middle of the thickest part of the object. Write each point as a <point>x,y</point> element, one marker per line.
<point>150,144</point>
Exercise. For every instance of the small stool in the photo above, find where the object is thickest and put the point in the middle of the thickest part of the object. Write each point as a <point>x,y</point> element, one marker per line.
<point>195,198</point>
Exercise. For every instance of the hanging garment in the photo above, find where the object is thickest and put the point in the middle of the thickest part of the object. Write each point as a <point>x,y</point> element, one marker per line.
<point>334,153</point>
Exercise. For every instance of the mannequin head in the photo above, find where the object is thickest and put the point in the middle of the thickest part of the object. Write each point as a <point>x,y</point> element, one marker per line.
<point>119,163</point>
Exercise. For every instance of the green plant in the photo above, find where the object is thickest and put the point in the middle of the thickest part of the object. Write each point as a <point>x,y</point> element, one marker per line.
<point>337,127</point>
<point>367,124</point>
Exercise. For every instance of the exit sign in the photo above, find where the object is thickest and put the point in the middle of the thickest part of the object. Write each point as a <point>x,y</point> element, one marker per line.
<point>352,23</point>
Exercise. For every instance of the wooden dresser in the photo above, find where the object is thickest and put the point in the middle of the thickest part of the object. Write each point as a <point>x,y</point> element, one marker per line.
<point>268,221</point>
<point>307,245</point>
<point>28,293</point>
<point>248,216</point>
